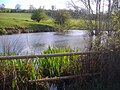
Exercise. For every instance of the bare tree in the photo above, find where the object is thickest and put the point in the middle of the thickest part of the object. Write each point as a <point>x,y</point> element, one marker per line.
<point>2,6</point>
<point>102,11</point>
<point>31,7</point>
<point>53,7</point>
<point>18,6</point>
<point>97,8</point>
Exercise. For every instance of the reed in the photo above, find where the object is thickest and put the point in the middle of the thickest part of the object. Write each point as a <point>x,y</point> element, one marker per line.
<point>55,66</point>
<point>13,73</point>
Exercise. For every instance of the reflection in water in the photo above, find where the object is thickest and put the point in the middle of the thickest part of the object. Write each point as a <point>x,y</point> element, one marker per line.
<point>61,43</point>
<point>37,42</point>
<point>8,45</point>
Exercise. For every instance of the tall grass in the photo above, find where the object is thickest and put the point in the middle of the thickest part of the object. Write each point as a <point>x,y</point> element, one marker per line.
<point>55,66</point>
<point>13,73</point>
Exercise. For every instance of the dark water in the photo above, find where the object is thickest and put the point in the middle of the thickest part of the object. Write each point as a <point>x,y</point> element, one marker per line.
<point>37,42</point>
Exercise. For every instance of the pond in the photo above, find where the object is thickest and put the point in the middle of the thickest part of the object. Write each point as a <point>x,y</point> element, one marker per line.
<point>37,42</point>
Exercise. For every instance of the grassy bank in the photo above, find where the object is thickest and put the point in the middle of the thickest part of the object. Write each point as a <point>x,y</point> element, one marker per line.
<point>22,22</point>
<point>19,19</point>
<point>77,24</point>
<point>18,22</point>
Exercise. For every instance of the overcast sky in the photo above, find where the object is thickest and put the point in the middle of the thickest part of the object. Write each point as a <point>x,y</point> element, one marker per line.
<point>60,4</point>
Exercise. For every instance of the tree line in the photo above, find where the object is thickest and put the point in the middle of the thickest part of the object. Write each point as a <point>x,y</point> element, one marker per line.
<point>74,13</point>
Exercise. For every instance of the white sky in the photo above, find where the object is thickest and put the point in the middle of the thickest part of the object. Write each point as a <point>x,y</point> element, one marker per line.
<point>60,4</point>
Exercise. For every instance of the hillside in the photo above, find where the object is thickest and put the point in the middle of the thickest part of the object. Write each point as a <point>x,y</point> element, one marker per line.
<point>21,23</point>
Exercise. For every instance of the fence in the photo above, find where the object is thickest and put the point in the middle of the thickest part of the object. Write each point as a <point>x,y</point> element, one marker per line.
<point>43,55</point>
<point>82,70</point>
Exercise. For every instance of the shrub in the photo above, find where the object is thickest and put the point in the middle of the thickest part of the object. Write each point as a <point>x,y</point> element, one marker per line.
<point>3,31</point>
<point>38,15</point>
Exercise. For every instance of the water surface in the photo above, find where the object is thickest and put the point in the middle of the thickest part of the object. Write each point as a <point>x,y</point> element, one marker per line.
<point>37,42</point>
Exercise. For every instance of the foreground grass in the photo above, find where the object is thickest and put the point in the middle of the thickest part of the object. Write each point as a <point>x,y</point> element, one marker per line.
<point>17,71</point>
<point>13,73</point>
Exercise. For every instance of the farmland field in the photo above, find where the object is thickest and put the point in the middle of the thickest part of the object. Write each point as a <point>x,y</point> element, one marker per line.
<point>19,19</point>
<point>24,20</point>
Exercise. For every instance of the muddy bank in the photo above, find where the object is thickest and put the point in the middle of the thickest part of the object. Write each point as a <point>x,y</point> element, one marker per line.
<point>32,28</point>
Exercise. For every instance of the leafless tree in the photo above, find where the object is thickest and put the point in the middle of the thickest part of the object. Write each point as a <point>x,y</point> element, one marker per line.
<point>103,11</point>
<point>31,7</point>
<point>98,8</point>
<point>2,6</point>
<point>18,6</point>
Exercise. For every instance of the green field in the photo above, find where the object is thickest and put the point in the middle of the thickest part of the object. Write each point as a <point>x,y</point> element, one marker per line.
<point>15,20</point>
<point>19,19</point>
<point>77,24</point>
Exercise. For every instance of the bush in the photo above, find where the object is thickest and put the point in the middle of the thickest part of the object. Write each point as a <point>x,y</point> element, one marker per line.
<point>61,17</point>
<point>3,31</point>
<point>38,15</point>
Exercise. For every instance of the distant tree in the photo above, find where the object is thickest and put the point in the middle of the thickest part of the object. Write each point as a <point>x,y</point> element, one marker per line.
<point>53,7</point>
<point>31,7</point>
<point>41,7</point>
<point>38,15</point>
<point>2,6</point>
<point>18,6</point>
<point>61,17</point>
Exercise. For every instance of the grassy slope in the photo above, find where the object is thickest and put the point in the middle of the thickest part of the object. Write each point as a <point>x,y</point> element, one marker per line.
<point>77,24</point>
<point>19,19</point>
<point>24,20</point>
<point>13,19</point>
